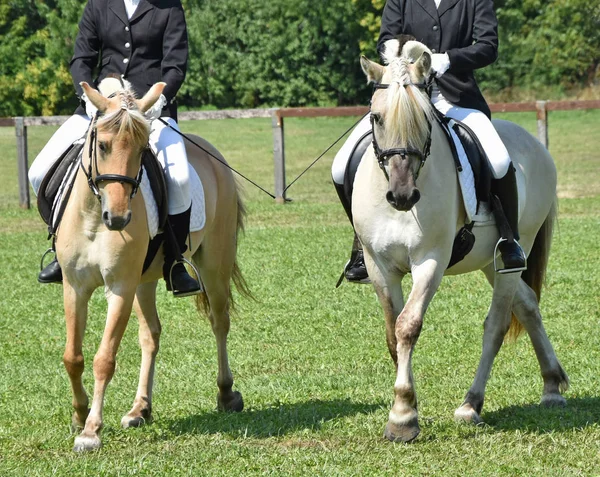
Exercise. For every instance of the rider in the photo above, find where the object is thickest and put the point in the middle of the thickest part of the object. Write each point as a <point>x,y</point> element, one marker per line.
<point>142,42</point>
<point>463,36</point>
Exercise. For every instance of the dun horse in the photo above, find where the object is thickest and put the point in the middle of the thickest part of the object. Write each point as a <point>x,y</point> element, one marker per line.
<point>405,229</point>
<point>104,242</point>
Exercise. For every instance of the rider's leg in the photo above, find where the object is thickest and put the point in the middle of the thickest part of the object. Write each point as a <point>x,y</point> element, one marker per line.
<point>504,185</point>
<point>170,151</point>
<point>355,270</point>
<point>72,129</point>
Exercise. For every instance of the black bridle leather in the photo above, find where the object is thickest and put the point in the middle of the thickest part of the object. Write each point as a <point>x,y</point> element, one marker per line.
<point>93,181</point>
<point>383,155</point>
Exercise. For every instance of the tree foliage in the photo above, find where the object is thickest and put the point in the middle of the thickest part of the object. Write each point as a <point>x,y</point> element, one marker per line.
<point>251,53</point>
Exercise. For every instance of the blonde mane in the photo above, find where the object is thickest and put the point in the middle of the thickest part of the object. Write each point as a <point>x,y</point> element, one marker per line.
<point>409,111</point>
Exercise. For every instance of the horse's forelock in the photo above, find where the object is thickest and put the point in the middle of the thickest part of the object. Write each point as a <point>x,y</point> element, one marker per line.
<point>126,122</point>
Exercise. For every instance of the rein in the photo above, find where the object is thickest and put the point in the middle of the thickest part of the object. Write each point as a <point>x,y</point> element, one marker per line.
<point>94,181</point>
<point>383,155</point>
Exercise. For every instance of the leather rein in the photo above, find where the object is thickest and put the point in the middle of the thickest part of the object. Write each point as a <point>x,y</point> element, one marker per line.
<point>383,155</point>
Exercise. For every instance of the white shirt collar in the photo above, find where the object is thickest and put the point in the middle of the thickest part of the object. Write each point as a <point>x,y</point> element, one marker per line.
<point>130,6</point>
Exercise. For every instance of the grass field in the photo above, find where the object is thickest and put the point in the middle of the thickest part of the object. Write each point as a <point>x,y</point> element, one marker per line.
<point>310,360</point>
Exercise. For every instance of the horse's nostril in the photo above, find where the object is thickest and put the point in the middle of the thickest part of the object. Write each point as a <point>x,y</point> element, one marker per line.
<point>105,216</point>
<point>390,197</point>
<point>416,195</point>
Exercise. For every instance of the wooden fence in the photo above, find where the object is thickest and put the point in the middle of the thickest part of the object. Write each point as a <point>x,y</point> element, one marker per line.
<point>277,116</point>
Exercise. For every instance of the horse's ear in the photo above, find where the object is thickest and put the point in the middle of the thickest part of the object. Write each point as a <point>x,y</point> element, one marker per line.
<point>374,71</point>
<point>423,64</point>
<point>95,97</point>
<point>151,97</point>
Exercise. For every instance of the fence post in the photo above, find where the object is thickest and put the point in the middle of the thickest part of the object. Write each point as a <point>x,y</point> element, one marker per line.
<point>22,165</point>
<point>542,122</point>
<point>278,156</point>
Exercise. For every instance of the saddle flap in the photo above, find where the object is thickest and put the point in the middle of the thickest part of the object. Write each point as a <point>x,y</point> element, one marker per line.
<point>53,180</point>
<point>156,176</point>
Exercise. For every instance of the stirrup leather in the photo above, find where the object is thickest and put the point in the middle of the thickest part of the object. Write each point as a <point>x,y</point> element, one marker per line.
<point>508,270</point>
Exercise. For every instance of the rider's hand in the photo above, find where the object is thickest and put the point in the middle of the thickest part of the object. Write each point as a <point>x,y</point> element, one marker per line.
<point>156,109</point>
<point>440,63</point>
<point>90,109</point>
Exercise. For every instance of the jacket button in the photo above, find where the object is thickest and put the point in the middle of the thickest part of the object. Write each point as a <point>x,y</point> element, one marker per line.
<point>127,45</point>
<point>126,28</point>
<point>435,28</point>
<point>433,50</point>
<point>125,60</point>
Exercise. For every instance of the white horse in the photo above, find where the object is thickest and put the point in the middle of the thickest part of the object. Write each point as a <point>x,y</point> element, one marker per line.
<point>408,230</point>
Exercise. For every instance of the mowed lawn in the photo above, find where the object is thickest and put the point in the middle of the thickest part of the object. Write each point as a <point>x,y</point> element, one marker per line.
<point>310,360</point>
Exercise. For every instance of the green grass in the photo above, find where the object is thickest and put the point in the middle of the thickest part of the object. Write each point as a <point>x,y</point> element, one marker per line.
<point>310,360</point>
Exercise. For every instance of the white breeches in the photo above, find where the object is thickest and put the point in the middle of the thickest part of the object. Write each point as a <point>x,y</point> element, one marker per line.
<point>474,119</point>
<point>166,144</point>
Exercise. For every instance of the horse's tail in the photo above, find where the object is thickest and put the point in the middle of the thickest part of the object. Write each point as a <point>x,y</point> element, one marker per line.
<point>236,276</point>
<point>535,275</point>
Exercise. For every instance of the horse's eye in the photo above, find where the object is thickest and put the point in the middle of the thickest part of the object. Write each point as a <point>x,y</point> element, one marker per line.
<point>103,147</point>
<point>377,118</point>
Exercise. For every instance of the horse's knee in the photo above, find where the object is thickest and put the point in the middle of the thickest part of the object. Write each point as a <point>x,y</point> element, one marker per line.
<point>150,342</point>
<point>104,366</point>
<point>74,363</point>
<point>408,328</point>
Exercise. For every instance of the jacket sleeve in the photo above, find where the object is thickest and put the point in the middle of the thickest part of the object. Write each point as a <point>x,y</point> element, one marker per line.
<point>391,23</point>
<point>87,49</point>
<point>175,53</point>
<point>484,49</point>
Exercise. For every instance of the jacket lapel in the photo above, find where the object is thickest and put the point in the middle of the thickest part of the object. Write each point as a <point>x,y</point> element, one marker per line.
<point>429,7</point>
<point>446,5</point>
<point>143,7</point>
<point>118,8</point>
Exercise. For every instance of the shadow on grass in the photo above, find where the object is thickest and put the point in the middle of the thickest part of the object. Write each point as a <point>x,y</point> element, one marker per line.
<point>577,414</point>
<point>272,421</point>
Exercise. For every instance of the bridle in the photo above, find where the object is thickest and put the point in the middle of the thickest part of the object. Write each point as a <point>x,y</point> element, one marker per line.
<point>383,155</point>
<point>92,180</point>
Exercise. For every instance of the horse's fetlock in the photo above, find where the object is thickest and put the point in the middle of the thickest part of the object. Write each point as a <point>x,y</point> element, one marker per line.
<point>405,393</point>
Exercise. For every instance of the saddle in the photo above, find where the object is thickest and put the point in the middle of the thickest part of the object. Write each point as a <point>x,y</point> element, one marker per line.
<point>57,185</point>
<point>482,175</point>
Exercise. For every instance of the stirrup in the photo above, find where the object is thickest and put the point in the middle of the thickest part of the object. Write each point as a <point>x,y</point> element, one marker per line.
<point>508,270</point>
<point>50,250</point>
<point>185,260</point>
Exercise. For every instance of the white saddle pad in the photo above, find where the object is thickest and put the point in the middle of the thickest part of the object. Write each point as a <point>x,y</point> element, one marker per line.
<point>466,180</point>
<point>198,217</point>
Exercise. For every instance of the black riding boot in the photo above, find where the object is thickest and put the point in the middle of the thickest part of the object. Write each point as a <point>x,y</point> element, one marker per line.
<point>178,279</point>
<point>355,270</point>
<point>505,190</point>
<point>51,273</point>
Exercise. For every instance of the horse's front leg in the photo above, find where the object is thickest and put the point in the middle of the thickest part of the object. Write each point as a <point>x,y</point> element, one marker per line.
<point>76,316</point>
<point>495,327</point>
<point>120,302</point>
<point>149,336</point>
<point>403,425</point>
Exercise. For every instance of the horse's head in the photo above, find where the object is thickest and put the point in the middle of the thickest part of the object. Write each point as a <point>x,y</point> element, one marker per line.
<point>114,147</point>
<point>401,115</point>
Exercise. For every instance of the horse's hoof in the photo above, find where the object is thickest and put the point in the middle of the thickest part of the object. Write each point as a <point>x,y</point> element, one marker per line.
<point>402,433</point>
<point>87,443</point>
<point>553,400</point>
<point>78,421</point>
<point>233,403</point>
<point>466,414</point>
<point>135,421</point>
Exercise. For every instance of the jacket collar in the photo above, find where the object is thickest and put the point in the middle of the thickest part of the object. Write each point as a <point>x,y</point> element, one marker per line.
<point>429,7</point>
<point>143,7</point>
<point>118,8</point>
<point>446,5</point>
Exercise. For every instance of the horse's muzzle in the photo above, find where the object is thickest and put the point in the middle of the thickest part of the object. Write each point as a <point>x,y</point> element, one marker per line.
<point>115,222</point>
<point>403,202</point>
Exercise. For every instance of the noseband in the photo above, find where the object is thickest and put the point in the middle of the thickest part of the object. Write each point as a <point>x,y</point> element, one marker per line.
<point>94,181</point>
<point>383,155</point>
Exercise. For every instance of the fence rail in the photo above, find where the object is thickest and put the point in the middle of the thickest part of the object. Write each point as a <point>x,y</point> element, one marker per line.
<point>277,116</point>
